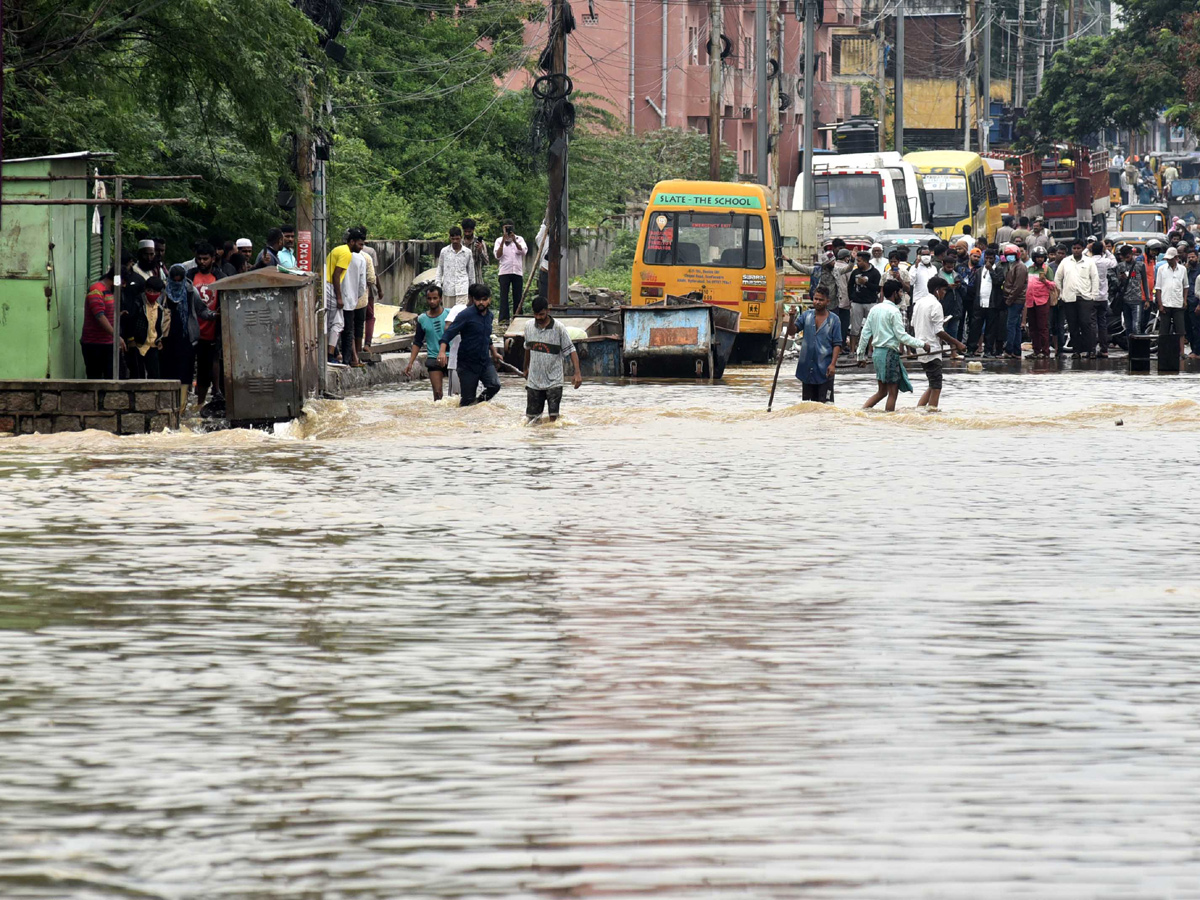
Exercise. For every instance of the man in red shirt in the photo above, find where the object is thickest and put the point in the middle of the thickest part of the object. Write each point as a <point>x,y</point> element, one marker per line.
<point>208,348</point>
<point>96,339</point>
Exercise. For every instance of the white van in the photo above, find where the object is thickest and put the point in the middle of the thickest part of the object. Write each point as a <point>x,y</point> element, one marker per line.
<point>862,192</point>
<point>857,201</point>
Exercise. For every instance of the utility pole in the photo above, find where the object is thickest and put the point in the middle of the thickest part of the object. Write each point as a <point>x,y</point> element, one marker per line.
<point>556,212</point>
<point>304,183</point>
<point>810,77</point>
<point>985,100</point>
<point>776,53</point>
<point>118,281</point>
<point>1019,87</point>
<point>968,58</point>
<point>1041,53</point>
<point>899,78</point>
<point>760,91</point>
<point>1070,21</point>
<point>881,82</point>
<point>715,29</point>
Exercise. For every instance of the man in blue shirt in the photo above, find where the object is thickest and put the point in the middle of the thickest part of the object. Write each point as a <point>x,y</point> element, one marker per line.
<point>819,349</point>
<point>475,353</point>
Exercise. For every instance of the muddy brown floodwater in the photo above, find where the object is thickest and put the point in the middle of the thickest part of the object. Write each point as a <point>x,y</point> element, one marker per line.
<point>672,646</point>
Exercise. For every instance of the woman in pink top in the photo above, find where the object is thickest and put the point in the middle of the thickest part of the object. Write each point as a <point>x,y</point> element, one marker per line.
<point>510,253</point>
<point>1037,304</point>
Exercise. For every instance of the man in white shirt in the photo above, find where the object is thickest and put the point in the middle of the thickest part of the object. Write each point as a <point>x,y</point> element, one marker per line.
<point>1079,286</point>
<point>452,386</point>
<point>346,278</point>
<point>928,320</point>
<point>1105,263</point>
<point>456,269</point>
<point>543,243</point>
<point>921,273</point>
<point>1170,294</point>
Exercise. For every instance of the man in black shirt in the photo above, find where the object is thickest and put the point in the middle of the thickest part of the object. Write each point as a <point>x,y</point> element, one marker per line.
<point>864,293</point>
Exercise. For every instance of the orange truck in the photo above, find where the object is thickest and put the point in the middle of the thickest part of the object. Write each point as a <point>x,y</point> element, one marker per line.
<point>1018,180</point>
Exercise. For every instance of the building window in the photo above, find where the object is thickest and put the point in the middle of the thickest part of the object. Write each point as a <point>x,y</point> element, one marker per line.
<point>745,160</point>
<point>694,44</point>
<point>747,53</point>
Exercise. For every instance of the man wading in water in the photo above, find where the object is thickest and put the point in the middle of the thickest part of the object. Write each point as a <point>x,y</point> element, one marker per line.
<point>475,353</point>
<point>546,345</point>
<point>430,327</point>
<point>885,326</point>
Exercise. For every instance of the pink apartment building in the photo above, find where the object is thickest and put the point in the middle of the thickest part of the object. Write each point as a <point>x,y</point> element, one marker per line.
<point>646,61</point>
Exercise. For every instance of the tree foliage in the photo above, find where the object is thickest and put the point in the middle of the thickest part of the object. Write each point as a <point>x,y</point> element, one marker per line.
<point>180,87</point>
<point>1124,79</point>
<point>429,114</point>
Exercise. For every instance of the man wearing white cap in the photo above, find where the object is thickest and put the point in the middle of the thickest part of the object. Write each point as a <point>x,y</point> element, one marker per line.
<point>1170,295</point>
<point>878,262</point>
<point>245,246</point>
<point>147,264</point>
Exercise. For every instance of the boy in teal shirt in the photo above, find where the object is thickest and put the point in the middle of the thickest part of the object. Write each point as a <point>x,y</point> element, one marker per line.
<point>431,325</point>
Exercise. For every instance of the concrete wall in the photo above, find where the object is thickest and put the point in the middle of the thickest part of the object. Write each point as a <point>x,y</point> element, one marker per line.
<point>119,407</point>
<point>401,262</point>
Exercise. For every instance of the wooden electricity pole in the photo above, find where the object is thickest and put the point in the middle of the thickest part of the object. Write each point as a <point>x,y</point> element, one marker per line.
<point>556,211</point>
<point>715,28</point>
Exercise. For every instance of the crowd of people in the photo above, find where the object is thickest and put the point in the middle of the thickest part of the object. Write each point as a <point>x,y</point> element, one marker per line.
<point>455,329</point>
<point>168,323</point>
<point>966,298</point>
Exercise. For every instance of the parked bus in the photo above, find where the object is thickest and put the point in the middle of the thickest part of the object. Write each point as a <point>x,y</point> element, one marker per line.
<point>863,192</point>
<point>722,241</point>
<point>960,192</point>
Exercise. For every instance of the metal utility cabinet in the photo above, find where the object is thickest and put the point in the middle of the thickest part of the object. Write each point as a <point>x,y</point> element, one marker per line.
<point>270,343</point>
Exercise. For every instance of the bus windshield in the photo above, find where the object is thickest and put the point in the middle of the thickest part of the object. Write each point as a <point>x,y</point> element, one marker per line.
<point>947,199</point>
<point>724,240</point>
<point>848,195</point>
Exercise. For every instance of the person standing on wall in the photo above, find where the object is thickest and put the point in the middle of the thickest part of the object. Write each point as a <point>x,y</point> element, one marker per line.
<point>362,342</point>
<point>510,251</point>
<point>455,269</point>
<point>287,253</point>
<point>478,248</point>
<point>99,314</point>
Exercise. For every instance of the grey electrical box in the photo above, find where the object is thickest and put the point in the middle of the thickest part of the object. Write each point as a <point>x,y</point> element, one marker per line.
<point>270,345</point>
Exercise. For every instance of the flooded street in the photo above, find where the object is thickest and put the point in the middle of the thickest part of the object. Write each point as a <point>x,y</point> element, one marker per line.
<point>672,646</point>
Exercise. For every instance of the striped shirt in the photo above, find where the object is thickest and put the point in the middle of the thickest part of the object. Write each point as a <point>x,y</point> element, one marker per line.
<point>547,347</point>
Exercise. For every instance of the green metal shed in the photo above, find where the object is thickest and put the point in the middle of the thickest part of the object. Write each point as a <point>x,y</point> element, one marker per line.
<point>48,257</point>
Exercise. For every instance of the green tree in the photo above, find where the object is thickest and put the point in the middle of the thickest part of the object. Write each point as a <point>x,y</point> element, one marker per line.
<point>1124,79</point>
<point>180,87</point>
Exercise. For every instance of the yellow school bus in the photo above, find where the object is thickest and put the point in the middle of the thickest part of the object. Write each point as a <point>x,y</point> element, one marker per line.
<point>721,240</point>
<point>960,192</point>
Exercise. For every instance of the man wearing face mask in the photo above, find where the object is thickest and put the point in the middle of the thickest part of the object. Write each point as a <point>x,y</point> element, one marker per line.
<point>921,273</point>
<point>1016,280</point>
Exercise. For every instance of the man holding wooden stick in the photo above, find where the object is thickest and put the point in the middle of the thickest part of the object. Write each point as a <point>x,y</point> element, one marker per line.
<point>819,349</point>
<point>885,327</point>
